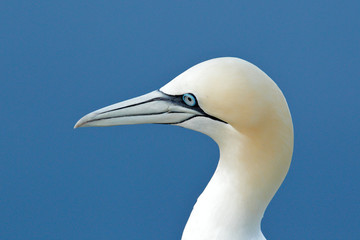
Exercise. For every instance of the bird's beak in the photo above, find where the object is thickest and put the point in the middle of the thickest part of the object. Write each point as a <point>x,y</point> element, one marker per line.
<point>154,107</point>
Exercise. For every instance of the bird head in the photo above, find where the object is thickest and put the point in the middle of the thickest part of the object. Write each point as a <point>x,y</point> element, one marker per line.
<point>205,98</point>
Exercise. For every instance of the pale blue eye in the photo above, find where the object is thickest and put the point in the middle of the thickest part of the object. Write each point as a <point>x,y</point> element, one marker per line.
<point>189,99</point>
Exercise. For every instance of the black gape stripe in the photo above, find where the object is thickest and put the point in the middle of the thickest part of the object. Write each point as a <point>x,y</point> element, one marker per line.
<point>175,99</point>
<point>182,121</point>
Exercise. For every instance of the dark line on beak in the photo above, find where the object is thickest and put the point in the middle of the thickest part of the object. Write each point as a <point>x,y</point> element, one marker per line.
<point>134,115</point>
<point>187,119</point>
<point>135,104</point>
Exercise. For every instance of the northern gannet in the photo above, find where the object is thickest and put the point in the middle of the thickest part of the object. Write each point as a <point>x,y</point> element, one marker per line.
<point>243,110</point>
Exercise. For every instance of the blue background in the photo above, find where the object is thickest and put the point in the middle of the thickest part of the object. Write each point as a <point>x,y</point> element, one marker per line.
<point>62,59</point>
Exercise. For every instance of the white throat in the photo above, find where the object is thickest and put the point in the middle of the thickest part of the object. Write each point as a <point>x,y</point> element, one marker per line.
<point>234,201</point>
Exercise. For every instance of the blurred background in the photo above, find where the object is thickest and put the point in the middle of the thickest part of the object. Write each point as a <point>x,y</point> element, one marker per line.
<point>60,60</point>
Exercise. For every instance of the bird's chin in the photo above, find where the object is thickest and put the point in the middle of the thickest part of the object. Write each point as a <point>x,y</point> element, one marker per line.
<point>206,125</point>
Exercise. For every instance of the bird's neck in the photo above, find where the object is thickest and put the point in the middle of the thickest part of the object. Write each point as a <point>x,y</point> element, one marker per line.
<point>233,203</point>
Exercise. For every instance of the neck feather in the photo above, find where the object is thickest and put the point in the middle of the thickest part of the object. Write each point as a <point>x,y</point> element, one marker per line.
<point>247,176</point>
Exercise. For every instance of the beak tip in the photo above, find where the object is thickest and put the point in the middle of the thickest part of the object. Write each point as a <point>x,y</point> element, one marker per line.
<point>79,123</point>
<point>85,121</point>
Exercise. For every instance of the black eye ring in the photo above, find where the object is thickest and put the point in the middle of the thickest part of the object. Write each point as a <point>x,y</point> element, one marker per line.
<point>189,99</point>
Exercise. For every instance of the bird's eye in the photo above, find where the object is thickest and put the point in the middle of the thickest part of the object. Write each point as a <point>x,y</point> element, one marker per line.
<point>189,99</point>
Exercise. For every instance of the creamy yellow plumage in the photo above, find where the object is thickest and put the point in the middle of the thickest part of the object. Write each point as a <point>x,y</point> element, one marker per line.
<point>242,109</point>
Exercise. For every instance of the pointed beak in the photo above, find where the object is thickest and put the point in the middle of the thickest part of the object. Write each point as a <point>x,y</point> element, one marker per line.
<point>154,107</point>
